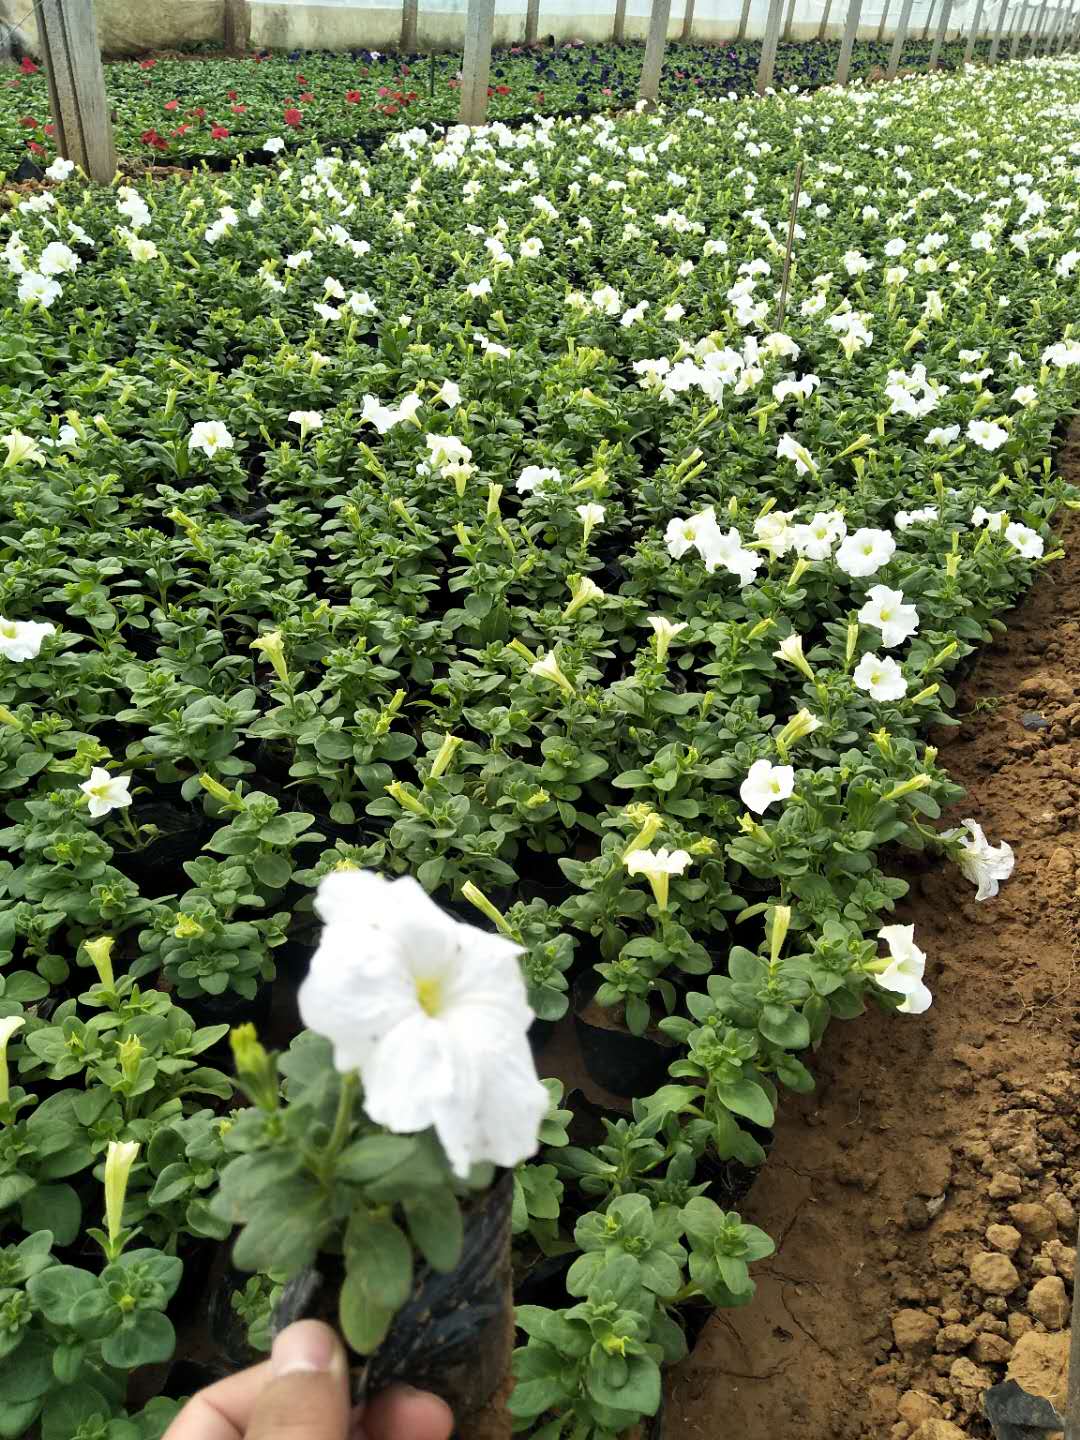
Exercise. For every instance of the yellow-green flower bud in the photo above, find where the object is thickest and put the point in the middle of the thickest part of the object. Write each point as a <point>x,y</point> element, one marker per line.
<point>273,647</point>
<point>100,952</point>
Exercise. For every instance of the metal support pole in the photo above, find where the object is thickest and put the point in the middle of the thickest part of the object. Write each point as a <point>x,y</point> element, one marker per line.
<point>532,22</point>
<point>769,46</point>
<point>939,35</point>
<point>687,22</point>
<point>851,26</point>
<point>929,21</point>
<point>67,33</point>
<point>653,66</point>
<point>969,48</point>
<point>1036,29</point>
<point>883,22</point>
<point>744,18</point>
<point>900,39</point>
<point>788,19</point>
<point>476,62</point>
<point>618,34</point>
<point>236,27</point>
<point>823,27</point>
<point>995,44</point>
<point>409,10</point>
<point>1020,20</point>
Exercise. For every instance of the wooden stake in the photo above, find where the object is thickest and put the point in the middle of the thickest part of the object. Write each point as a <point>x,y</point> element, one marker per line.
<point>618,34</point>
<point>236,27</point>
<point>769,46</point>
<point>408,26</point>
<point>653,67</point>
<point>884,22</point>
<point>67,34</point>
<point>943,25</point>
<point>995,44</point>
<point>851,26</point>
<point>973,35</point>
<point>687,22</point>
<point>744,19</point>
<point>476,62</point>
<point>785,281</point>
<point>900,39</point>
<point>823,27</point>
<point>532,22</point>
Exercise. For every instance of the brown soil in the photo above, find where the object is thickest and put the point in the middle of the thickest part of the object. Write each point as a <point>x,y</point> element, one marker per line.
<point>889,1308</point>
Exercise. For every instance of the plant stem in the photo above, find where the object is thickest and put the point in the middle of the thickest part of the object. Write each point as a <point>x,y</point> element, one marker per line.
<point>350,1084</point>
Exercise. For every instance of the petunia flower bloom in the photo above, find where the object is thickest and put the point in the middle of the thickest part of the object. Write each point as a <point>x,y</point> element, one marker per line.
<point>657,866</point>
<point>1028,542</point>
<point>765,784</point>
<point>865,551</point>
<point>210,436</point>
<point>535,475</point>
<point>904,973</point>
<point>106,792</point>
<point>665,631</point>
<point>431,1013</point>
<point>886,611</point>
<point>985,865</point>
<point>881,678</point>
<point>308,420</point>
<point>986,434</point>
<point>815,540</point>
<point>790,449</point>
<point>22,639</point>
<point>21,447</point>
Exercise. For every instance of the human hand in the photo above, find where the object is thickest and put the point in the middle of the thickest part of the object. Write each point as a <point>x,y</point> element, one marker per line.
<point>302,1393</point>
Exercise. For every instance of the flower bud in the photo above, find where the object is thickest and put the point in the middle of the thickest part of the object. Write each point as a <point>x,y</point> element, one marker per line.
<point>100,952</point>
<point>255,1067</point>
<point>273,647</point>
<point>548,669</point>
<point>8,1027</point>
<point>583,592</point>
<point>447,750</point>
<point>476,896</point>
<point>119,1159</point>
<point>407,801</point>
<point>781,923</point>
<point>791,650</point>
<point>908,787</point>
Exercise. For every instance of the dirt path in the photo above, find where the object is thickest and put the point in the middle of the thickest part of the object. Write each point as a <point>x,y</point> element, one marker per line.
<point>924,1132</point>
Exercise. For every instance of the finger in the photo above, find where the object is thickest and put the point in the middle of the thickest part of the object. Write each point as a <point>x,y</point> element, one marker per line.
<point>308,1395</point>
<point>221,1411</point>
<point>406,1414</point>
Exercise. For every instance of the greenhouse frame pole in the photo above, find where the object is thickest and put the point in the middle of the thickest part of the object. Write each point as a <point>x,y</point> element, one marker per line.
<point>939,35</point>
<point>1068,33</point>
<point>618,33</point>
<point>409,9</point>
<point>929,21</point>
<point>823,27</point>
<point>883,23</point>
<point>995,44</point>
<point>847,44</point>
<point>1063,31</point>
<point>1046,38</point>
<point>1020,19</point>
<point>532,22</point>
<point>476,62</point>
<point>789,20</point>
<point>1052,31</point>
<point>71,57</point>
<point>687,22</point>
<point>744,20</point>
<point>900,39</point>
<point>653,66</point>
<point>769,46</point>
<point>1036,29</point>
<point>236,23</point>
<point>973,34</point>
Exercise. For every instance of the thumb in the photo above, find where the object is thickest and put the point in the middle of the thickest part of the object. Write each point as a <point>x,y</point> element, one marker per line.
<point>307,1397</point>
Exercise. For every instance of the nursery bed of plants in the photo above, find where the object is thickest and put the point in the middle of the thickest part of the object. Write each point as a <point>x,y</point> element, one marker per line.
<point>486,512</point>
<point>177,110</point>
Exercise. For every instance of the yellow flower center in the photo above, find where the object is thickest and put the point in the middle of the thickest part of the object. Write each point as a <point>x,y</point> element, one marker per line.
<point>429,994</point>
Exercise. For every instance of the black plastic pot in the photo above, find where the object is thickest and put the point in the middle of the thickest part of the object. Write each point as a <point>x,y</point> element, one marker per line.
<point>545,1282</point>
<point>158,868</point>
<point>625,1064</point>
<point>454,1335</point>
<point>229,1009</point>
<point>693,1317</point>
<point>540,1032</point>
<point>729,1181</point>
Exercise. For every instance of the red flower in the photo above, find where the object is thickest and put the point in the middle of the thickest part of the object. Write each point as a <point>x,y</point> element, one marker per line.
<point>199,112</point>
<point>37,149</point>
<point>29,122</point>
<point>502,89</point>
<point>405,70</point>
<point>181,129</point>
<point>293,116</point>
<point>306,98</point>
<point>172,104</point>
<point>50,129</point>
<point>389,109</point>
<point>606,90</point>
<point>218,132</point>
<point>151,137</point>
<point>231,95</point>
<point>147,64</point>
<point>27,66</point>
<point>239,109</point>
<point>353,97</point>
<point>300,79</point>
<point>491,91</point>
<point>410,97</point>
<point>384,90</point>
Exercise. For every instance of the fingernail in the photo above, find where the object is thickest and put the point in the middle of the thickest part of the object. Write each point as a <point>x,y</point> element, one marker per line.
<point>306,1347</point>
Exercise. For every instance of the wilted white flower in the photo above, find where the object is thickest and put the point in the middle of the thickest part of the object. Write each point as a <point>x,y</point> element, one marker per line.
<point>765,784</point>
<point>209,436</point>
<point>994,520</point>
<point>904,974</point>
<point>865,551</point>
<point>22,639</point>
<point>106,792</point>
<point>431,1013</point>
<point>881,678</point>
<point>985,865</point>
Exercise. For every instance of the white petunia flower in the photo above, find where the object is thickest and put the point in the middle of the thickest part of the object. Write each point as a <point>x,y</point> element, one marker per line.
<point>308,420</point>
<point>865,551</point>
<point>881,678</point>
<point>657,866</point>
<point>1025,395</point>
<point>943,435</point>
<point>765,784</point>
<point>21,447</point>
<point>815,539</point>
<point>790,449</point>
<point>1027,542</point>
<point>209,436</point>
<point>106,792</point>
<point>60,169</point>
<point>58,259</point>
<point>433,1015</point>
<point>773,532</point>
<point>36,289</point>
<point>274,145</point>
<point>1063,354</point>
<point>696,531</point>
<point>986,434</point>
<point>994,520</point>
<point>450,394</point>
<point>885,611</point>
<point>534,475</point>
<point>985,865</point>
<point>904,974</point>
<point>906,518</point>
<point>22,639</point>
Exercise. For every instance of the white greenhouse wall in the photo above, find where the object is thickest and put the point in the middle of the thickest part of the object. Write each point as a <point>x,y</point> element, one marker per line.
<point>132,26</point>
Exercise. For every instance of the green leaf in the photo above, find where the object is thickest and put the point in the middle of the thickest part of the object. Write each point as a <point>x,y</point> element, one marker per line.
<point>56,1208</point>
<point>70,1408</point>
<point>370,1158</point>
<point>56,1291</point>
<point>25,1375</point>
<point>747,1099</point>
<point>437,1228</point>
<point>145,1338</point>
<point>377,1251</point>
<point>274,871</point>
<point>95,1314</point>
<point>364,1322</point>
